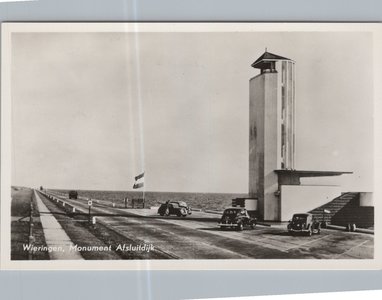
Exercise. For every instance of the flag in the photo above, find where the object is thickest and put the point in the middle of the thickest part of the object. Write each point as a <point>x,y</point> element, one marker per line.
<point>139,176</point>
<point>139,181</point>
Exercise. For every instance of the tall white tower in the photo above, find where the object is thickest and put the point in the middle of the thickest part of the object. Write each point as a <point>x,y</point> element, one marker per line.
<point>271,129</point>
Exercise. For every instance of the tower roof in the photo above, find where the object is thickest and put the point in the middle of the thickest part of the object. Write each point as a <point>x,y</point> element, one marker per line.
<point>264,59</point>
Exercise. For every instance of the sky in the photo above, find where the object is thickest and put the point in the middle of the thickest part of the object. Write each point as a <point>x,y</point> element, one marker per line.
<point>93,110</point>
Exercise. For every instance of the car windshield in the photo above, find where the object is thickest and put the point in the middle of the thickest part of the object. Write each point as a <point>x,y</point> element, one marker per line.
<point>231,212</point>
<point>299,217</point>
<point>181,203</point>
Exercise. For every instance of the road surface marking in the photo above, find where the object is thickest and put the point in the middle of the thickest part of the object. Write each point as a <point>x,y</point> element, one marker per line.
<point>306,243</point>
<point>352,248</point>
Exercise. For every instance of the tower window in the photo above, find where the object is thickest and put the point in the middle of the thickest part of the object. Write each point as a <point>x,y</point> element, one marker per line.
<point>283,73</point>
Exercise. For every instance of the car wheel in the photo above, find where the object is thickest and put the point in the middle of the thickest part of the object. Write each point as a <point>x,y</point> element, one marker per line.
<point>183,212</point>
<point>240,226</point>
<point>162,214</point>
<point>179,214</point>
<point>253,225</point>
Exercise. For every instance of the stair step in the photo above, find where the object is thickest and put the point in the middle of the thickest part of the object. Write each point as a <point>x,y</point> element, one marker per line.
<point>345,209</point>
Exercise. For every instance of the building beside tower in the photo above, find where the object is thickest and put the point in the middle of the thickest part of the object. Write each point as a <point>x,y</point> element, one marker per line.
<point>274,183</point>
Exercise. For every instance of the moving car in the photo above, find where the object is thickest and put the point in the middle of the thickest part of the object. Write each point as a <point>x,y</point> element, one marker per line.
<point>304,223</point>
<point>184,205</point>
<point>236,218</point>
<point>73,194</point>
<point>178,208</point>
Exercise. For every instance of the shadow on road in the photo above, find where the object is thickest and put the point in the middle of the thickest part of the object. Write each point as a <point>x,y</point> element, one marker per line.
<point>128,215</point>
<point>210,229</point>
<point>224,230</point>
<point>283,233</point>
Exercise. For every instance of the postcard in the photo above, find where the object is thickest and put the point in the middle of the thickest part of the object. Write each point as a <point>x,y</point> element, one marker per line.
<point>190,146</point>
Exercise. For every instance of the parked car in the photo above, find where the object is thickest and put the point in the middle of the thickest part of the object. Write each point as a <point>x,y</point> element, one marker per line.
<point>73,194</point>
<point>178,208</point>
<point>236,218</point>
<point>304,223</point>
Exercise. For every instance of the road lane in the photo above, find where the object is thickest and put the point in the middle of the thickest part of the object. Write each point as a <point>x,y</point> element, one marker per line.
<point>198,237</point>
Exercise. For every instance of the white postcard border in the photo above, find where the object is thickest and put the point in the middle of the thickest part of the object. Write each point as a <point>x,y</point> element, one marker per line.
<point>268,264</point>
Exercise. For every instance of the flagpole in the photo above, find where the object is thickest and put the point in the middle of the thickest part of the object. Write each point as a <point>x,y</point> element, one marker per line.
<point>143,193</point>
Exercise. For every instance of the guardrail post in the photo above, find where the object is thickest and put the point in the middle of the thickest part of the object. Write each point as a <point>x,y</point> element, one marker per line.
<point>89,217</point>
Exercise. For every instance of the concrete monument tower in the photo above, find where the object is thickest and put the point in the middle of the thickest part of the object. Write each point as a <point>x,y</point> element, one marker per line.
<point>272,129</point>
<point>273,180</point>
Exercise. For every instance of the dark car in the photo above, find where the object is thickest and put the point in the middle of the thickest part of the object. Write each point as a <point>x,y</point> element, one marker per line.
<point>184,205</point>
<point>236,218</point>
<point>73,194</point>
<point>178,208</point>
<point>304,223</point>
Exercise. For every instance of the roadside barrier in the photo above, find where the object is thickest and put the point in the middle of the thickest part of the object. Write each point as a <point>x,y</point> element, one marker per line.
<point>31,239</point>
<point>213,212</point>
<point>350,228</point>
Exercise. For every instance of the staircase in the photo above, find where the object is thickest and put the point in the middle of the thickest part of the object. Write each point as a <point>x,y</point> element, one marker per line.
<point>345,209</point>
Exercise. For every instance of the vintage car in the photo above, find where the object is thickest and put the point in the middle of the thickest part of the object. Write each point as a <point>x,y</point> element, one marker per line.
<point>184,205</point>
<point>178,208</point>
<point>73,194</point>
<point>236,218</point>
<point>304,223</point>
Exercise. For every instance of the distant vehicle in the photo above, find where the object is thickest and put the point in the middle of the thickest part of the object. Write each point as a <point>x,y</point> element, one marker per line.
<point>178,208</point>
<point>183,205</point>
<point>304,223</point>
<point>236,218</point>
<point>73,194</point>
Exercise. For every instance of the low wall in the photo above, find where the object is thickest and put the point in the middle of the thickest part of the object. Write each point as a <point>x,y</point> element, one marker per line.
<point>303,198</point>
<point>366,199</point>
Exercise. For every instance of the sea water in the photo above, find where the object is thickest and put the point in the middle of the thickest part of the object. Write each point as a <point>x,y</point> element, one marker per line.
<point>212,201</point>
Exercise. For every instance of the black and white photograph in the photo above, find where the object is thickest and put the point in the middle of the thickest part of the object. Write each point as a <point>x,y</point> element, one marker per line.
<point>189,146</point>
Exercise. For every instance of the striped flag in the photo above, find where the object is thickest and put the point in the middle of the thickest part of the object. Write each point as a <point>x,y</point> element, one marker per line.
<point>139,181</point>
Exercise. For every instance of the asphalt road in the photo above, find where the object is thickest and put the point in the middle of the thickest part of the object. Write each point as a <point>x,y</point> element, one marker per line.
<point>198,237</point>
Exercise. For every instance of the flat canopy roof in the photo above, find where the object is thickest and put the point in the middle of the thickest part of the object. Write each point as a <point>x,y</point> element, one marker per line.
<point>306,173</point>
